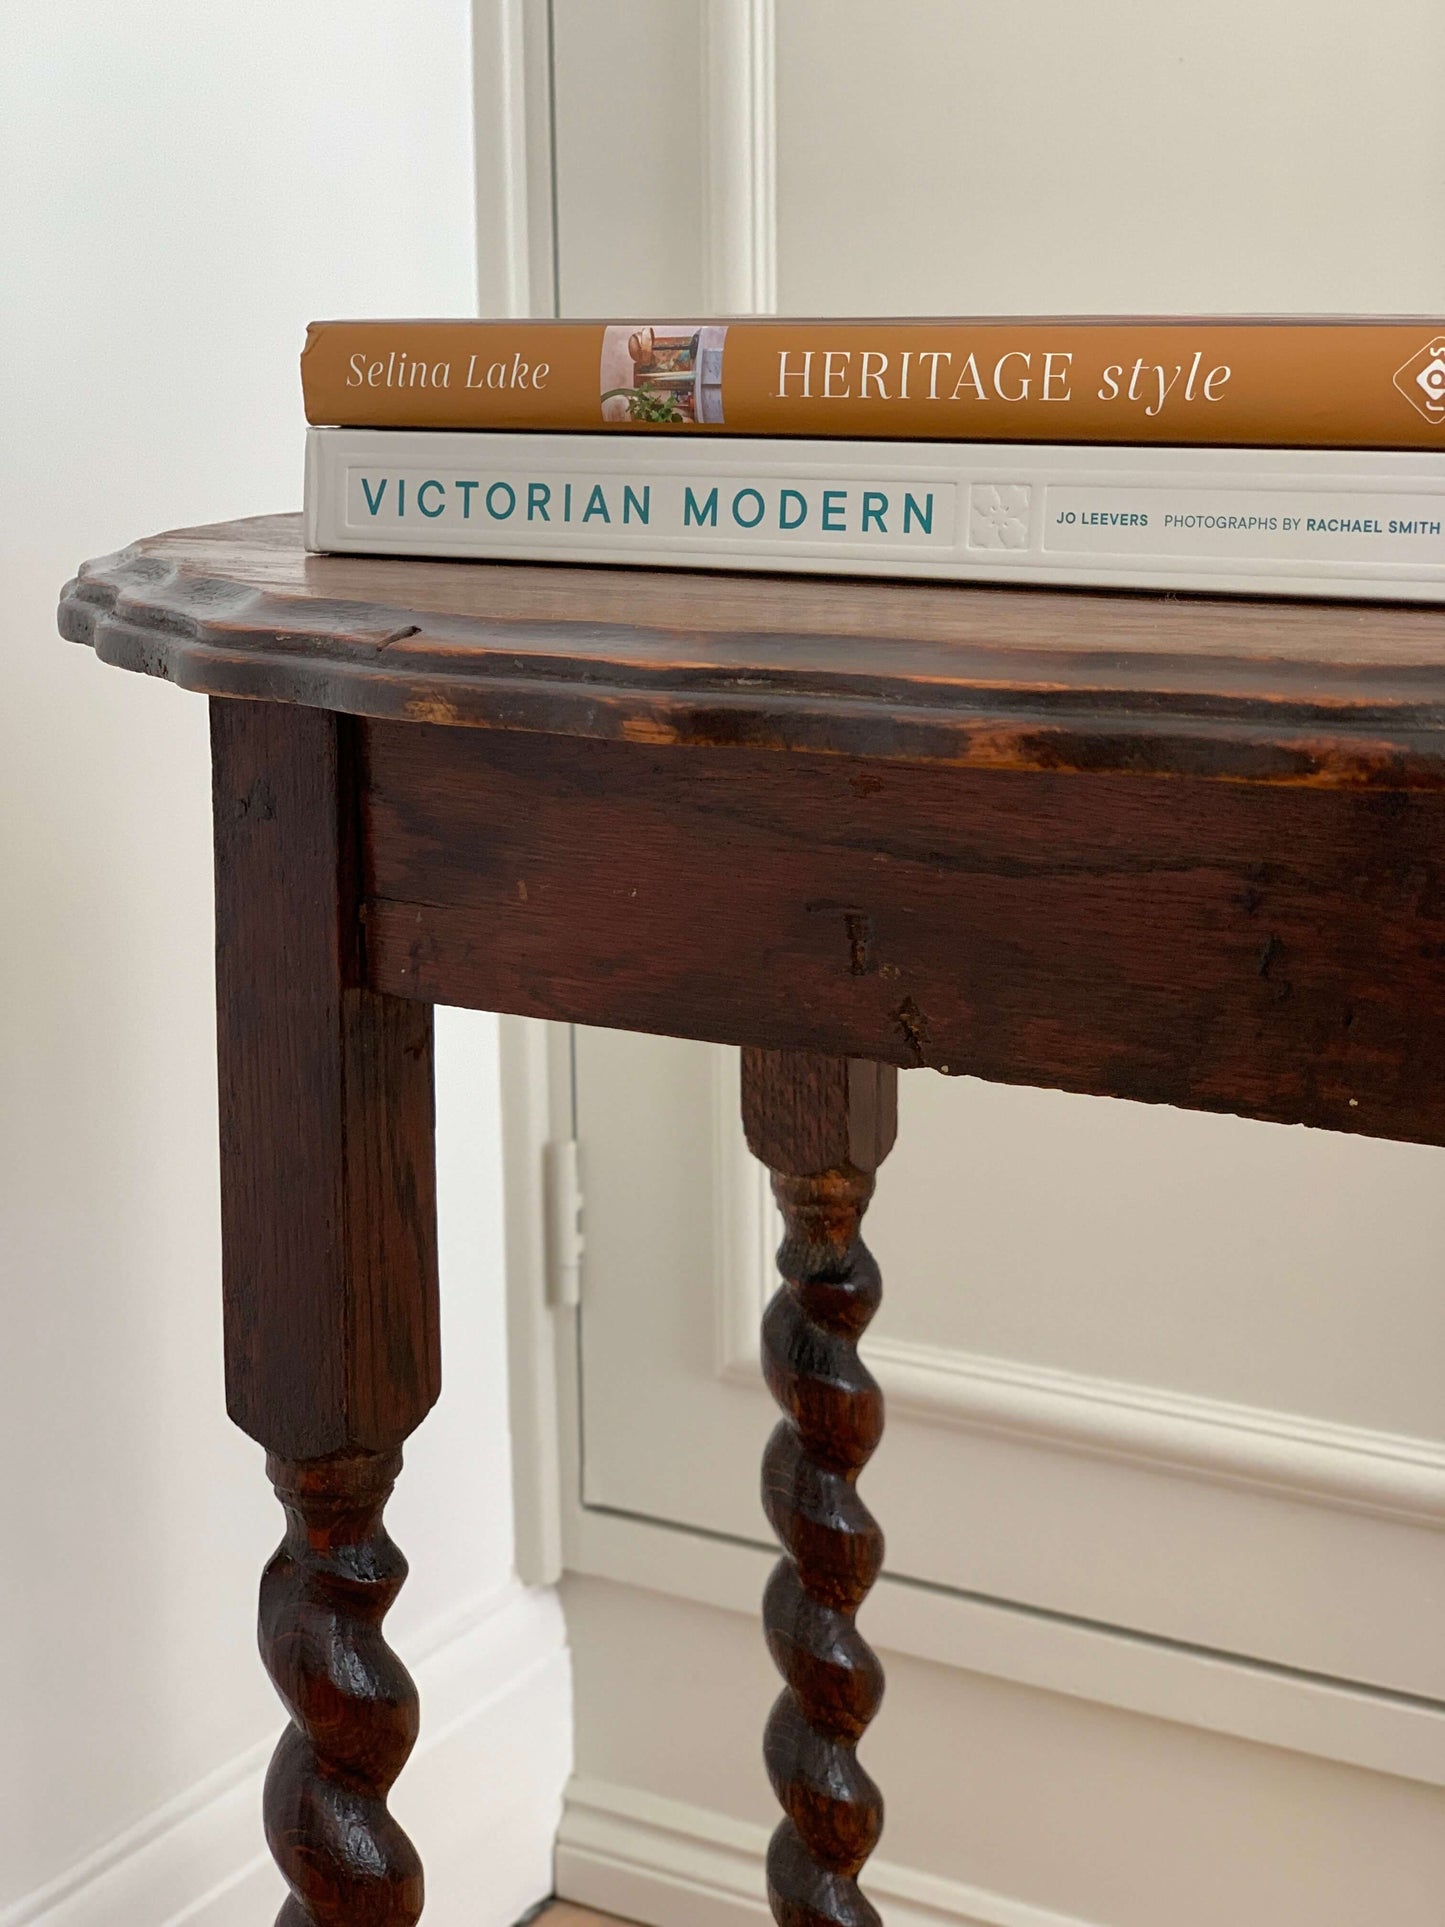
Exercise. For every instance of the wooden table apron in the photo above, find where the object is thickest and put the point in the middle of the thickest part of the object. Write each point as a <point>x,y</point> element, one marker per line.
<point>1179,851</point>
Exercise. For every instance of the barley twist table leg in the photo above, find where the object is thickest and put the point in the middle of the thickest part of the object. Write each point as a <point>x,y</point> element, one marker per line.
<point>822,1125</point>
<point>352,1703</point>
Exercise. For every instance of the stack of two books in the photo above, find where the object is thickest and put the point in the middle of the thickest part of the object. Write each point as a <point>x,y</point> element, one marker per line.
<point>1284,457</point>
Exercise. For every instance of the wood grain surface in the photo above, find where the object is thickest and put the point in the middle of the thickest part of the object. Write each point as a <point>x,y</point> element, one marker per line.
<point>1273,952</point>
<point>328,1187</point>
<point>993,678</point>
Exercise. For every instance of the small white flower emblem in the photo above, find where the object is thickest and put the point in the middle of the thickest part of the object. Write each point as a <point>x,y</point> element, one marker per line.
<point>998,516</point>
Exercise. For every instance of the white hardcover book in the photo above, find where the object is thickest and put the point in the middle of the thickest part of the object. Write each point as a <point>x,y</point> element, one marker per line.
<point>1306,522</point>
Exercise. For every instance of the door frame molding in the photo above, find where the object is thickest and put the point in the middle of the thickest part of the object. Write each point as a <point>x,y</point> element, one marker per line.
<point>513,67</point>
<point>514,164</point>
<point>740,156</point>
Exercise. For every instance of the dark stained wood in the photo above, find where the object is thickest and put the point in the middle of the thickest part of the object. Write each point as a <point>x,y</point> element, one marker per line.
<point>330,1287</point>
<point>328,1196</point>
<point>806,1112</point>
<point>1276,953</point>
<point>352,1703</point>
<point>823,1125</point>
<point>1180,849</point>
<point>994,678</point>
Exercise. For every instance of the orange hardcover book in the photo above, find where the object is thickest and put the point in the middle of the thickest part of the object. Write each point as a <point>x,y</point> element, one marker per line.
<point>1270,383</point>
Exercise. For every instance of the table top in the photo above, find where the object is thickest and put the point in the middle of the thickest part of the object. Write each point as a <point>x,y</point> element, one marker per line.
<point>1324,694</point>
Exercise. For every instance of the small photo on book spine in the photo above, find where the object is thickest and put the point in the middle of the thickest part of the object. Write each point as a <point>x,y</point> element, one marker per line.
<point>662,373</point>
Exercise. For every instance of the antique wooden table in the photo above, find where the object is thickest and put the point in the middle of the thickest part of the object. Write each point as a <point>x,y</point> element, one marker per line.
<point>1183,850</point>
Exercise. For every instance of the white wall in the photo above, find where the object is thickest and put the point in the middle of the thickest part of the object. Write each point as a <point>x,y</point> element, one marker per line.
<point>183,191</point>
<point>1118,158</point>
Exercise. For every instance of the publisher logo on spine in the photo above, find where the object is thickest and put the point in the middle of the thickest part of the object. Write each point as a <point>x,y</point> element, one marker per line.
<point>1422,380</point>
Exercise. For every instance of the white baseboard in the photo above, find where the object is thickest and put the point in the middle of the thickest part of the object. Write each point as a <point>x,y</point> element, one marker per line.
<point>671,1865</point>
<point>486,1778</point>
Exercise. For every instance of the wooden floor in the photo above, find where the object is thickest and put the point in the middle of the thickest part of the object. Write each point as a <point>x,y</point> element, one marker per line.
<point>563,1914</point>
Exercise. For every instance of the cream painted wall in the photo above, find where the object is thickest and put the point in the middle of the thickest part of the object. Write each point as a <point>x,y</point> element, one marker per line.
<point>183,191</point>
<point>941,156</point>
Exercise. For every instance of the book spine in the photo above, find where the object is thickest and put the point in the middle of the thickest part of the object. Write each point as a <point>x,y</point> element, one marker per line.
<point>1291,384</point>
<point>1302,522</point>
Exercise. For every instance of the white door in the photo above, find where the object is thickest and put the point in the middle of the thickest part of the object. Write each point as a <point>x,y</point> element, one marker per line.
<point>1165,1469</point>
<point>1147,1368</point>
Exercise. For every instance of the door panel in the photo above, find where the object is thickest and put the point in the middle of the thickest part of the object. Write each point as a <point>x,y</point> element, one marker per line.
<point>1169,1372</point>
<point>936,157</point>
